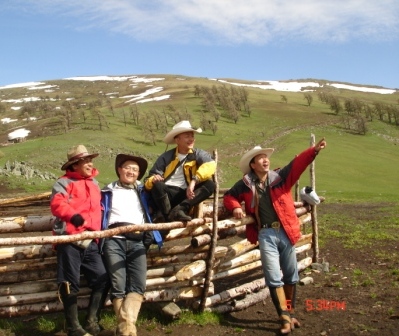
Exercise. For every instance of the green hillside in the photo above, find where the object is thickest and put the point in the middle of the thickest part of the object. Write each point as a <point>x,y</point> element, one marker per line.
<point>97,114</point>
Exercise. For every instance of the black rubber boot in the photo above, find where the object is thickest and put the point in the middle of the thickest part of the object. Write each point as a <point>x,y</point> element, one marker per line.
<point>97,300</point>
<point>179,213</point>
<point>161,200</point>
<point>70,302</point>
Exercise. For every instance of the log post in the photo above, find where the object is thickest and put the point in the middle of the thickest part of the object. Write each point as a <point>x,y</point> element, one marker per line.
<point>313,212</point>
<point>209,261</point>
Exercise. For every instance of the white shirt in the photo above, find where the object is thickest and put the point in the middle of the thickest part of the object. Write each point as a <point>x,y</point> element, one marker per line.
<point>178,179</point>
<point>126,207</point>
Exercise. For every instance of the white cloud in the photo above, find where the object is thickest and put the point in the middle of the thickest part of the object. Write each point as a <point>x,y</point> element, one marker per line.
<point>232,21</point>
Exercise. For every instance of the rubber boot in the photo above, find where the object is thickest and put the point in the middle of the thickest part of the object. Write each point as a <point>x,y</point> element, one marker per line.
<point>179,213</point>
<point>161,198</point>
<point>290,294</point>
<point>129,312</point>
<point>96,303</point>
<point>280,303</point>
<point>70,302</point>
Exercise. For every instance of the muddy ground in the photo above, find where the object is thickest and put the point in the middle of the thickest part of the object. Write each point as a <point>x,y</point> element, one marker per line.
<point>358,296</point>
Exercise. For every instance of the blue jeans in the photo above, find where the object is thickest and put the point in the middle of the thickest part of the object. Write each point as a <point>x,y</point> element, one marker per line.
<point>126,263</point>
<point>277,253</point>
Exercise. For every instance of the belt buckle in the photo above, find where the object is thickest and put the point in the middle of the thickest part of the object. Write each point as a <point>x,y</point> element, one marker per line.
<point>275,225</point>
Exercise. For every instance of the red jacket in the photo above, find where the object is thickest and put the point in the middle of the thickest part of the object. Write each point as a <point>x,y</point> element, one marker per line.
<point>280,181</point>
<point>73,194</point>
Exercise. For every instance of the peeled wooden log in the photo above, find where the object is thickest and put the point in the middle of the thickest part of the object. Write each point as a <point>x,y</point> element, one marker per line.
<point>303,248</point>
<point>99,234</point>
<point>26,224</point>
<point>239,248</point>
<point>222,234</point>
<point>163,271</point>
<point>248,301</point>
<point>228,294</point>
<point>172,294</point>
<point>305,239</point>
<point>26,252</point>
<point>29,287</point>
<point>243,259</point>
<point>25,299</point>
<point>237,270</point>
<point>304,263</point>
<point>28,275</point>
<point>169,250</point>
<point>180,258</point>
<point>160,281</point>
<point>34,264</point>
<point>306,218</point>
<point>25,199</point>
<point>201,240</point>
<point>191,270</point>
<point>40,308</point>
<point>207,228</point>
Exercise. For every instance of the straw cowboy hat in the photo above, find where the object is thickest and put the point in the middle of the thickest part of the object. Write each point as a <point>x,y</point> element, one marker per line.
<point>122,158</point>
<point>248,156</point>
<point>75,154</point>
<point>181,127</point>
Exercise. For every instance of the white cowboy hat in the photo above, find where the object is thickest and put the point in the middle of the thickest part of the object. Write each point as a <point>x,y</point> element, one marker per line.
<point>248,156</point>
<point>180,127</point>
<point>75,154</point>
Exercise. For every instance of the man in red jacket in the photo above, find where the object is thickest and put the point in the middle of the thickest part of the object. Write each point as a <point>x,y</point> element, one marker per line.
<point>267,197</point>
<point>75,201</point>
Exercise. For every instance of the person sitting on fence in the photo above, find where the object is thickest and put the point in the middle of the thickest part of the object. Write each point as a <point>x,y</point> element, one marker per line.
<point>125,257</point>
<point>75,201</point>
<point>267,197</point>
<point>181,177</point>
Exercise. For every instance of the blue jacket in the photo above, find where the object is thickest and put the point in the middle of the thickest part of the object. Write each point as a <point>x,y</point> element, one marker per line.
<point>106,201</point>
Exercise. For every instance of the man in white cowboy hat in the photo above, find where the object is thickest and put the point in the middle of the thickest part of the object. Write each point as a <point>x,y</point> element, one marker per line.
<point>75,201</point>
<point>267,197</point>
<point>181,177</point>
<point>125,257</point>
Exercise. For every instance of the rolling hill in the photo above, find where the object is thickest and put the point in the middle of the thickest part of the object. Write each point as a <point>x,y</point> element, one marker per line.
<point>131,114</point>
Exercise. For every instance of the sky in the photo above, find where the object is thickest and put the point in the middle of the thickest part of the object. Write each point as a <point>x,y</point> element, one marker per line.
<point>351,41</point>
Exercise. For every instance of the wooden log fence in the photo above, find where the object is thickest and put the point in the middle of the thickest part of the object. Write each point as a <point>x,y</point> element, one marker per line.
<point>191,267</point>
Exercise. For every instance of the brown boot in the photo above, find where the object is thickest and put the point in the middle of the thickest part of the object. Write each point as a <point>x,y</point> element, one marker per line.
<point>117,304</point>
<point>290,294</point>
<point>128,313</point>
<point>280,303</point>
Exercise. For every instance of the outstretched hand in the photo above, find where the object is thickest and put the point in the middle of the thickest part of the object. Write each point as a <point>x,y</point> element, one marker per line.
<point>320,145</point>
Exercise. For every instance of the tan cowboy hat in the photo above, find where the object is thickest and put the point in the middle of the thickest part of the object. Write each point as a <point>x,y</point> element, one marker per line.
<point>122,158</point>
<point>248,156</point>
<point>75,154</point>
<point>180,127</point>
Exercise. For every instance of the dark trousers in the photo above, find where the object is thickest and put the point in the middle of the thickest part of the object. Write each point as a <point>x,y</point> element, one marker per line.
<point>73,260</point>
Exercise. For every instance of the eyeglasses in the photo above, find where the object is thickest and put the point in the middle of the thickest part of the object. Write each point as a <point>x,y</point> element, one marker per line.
<point>131,168</point>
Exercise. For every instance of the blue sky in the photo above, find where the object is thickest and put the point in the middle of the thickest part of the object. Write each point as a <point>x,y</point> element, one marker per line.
<point>353,41</point>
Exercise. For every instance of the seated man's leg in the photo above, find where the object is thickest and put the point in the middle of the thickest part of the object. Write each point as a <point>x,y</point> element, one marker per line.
<point>202,191</point>
<point>160,197</point>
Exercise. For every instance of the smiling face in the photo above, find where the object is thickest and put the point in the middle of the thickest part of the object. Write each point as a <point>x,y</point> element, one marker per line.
<point>84,167</point>
<point>260,164</point>
<point>185,141</point>
<point>128,172</point>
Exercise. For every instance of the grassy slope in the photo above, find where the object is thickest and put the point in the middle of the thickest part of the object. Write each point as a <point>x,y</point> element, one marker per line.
<point>352,166</point>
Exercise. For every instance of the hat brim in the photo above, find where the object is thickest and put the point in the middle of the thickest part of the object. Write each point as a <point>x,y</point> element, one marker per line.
<point>170,137</point>
<point>71,162</point>
<point>142,163</point>
<point>248,156</point>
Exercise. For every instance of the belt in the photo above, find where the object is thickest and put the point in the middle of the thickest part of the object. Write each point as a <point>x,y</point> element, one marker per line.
<point>274,225</point>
